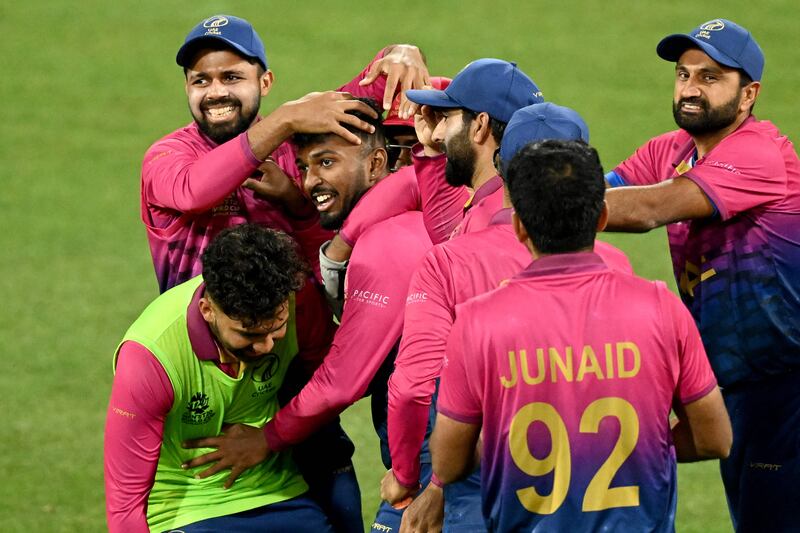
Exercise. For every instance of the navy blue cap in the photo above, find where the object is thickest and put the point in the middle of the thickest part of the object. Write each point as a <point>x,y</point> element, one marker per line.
<point>724,41</point>
<point>540,122</point>
<point>493,86</point>
<point>233,31</point>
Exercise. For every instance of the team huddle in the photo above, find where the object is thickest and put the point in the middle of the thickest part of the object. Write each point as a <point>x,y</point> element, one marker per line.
<point>443,261</point>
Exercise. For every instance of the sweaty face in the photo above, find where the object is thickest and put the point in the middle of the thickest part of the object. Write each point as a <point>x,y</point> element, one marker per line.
<point>247,344</point>
<point>452,134</point>
<point>335,175</point>
<point>224,92</point>
<point>707,95</point>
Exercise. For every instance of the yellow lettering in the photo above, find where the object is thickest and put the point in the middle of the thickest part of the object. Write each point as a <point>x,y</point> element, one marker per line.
<point>526,376</point>
<point>609,361</point>
<point>512,365</point>
<point>636,363</point>
<point>563,364</point>
<point>589,364</point>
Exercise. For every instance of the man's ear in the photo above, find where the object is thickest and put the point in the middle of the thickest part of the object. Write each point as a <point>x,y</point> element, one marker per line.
<point>603,220</point>
<point>519,229</point>
<point>204,304</point>
<point>378,161</point>
<point>265,82</point>
<point>482,128</point>
<point>749,94</point>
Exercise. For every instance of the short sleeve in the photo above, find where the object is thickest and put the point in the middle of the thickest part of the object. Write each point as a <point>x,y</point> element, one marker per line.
<point>459,390</point>
<point>744,171</point>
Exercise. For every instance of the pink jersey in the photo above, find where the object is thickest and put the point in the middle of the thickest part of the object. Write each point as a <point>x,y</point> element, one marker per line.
<point>191,189</point>
<point>375,292</point>
<point>442,208</point>
<point>738,272</point>
<point>481,207</point>
<point>450,274</point>
<point>573,368</point>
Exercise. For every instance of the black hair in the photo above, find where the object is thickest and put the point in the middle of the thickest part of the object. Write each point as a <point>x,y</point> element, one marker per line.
<point>250,270</point>
<point>557,190</point>
<point>369,141</point>
<point>498,127</point>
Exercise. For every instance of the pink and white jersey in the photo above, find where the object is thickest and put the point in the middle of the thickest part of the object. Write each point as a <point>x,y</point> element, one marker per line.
<point>572,369</point>
<point>375,293</point>
<point>737,272</point>
<point>481,207</point>
<point>451,273</point>
<point>191,190</point>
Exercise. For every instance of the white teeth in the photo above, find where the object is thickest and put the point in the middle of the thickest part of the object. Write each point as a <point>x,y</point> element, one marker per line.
<point>218,112</point>
<point>322,198</point>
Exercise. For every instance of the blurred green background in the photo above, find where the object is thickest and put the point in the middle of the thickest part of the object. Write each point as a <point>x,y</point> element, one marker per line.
<point>89,85</point>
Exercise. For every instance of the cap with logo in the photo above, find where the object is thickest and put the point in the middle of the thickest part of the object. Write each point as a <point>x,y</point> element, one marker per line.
<point>540,122</point>
<point>488,85</point>
<point>233,31</point>
<point>392,117</point>
<point>724,41</point>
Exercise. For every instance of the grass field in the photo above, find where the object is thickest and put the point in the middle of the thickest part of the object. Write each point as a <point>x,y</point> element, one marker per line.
<point>87,87</point>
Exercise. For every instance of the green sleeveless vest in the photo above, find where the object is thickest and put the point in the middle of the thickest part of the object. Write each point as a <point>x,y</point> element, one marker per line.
<point>206,399</point>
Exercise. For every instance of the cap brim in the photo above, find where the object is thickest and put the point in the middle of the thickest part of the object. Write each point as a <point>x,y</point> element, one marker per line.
<point>673,46</point>
<point>187,51</point>
<point>431,97</point>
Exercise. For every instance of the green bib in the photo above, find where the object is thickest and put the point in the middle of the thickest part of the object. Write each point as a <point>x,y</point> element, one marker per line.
<point>206,399</point>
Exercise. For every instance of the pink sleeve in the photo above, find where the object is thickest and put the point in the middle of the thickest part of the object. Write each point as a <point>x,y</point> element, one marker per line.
<point>141,397</point>
<point>394,194</point>
<point>370,326</point>
<point>456,398</point>
<point>642,168</point>
<point>744,171</point>
<point>442,204</point>
<point>374,90</point>
<point>428,320</point>
<point>696,379</point>
<point>175,177</point>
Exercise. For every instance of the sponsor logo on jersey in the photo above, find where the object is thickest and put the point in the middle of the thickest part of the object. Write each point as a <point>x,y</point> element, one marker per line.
<point>197,410</point>
<point>263,374</point>
<point>417,297</point>
<point>368,297</point>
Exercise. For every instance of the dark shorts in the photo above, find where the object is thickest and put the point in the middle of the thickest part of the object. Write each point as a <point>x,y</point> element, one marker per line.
<point>298,515</point>
<point>762,473</point>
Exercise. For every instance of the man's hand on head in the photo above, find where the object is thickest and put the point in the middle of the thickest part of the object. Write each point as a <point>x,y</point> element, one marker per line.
<point>405,68</point>
<point>325,112</point>
<point>238,448</point>
<point>424,123</point>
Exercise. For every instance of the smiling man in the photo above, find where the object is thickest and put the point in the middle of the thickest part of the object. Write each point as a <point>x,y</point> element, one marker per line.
<point>728,187</point>
<point>210,352</point>
<point>339,177</point>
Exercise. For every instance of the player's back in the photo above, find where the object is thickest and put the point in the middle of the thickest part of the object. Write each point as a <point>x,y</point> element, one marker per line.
<point>579,366</point>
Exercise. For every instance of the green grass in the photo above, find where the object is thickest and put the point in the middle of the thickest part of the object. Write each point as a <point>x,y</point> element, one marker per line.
<point>87,87</point>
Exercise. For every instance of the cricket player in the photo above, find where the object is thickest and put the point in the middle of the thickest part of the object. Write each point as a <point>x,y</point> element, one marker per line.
<point>467,121</point>
<point>451,273</point>
<point>569,372</point>
<point>208,353</point>
<point>339,176</point>
<point>231,166</point>
<point>728,188</point>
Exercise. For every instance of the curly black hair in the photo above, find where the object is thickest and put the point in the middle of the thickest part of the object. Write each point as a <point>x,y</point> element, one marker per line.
<point>250,270</point>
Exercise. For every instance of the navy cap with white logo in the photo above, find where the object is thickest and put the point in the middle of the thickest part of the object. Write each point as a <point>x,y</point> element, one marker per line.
<point>487,85</point>
<point>233,31</point>
<point>724,41</point>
